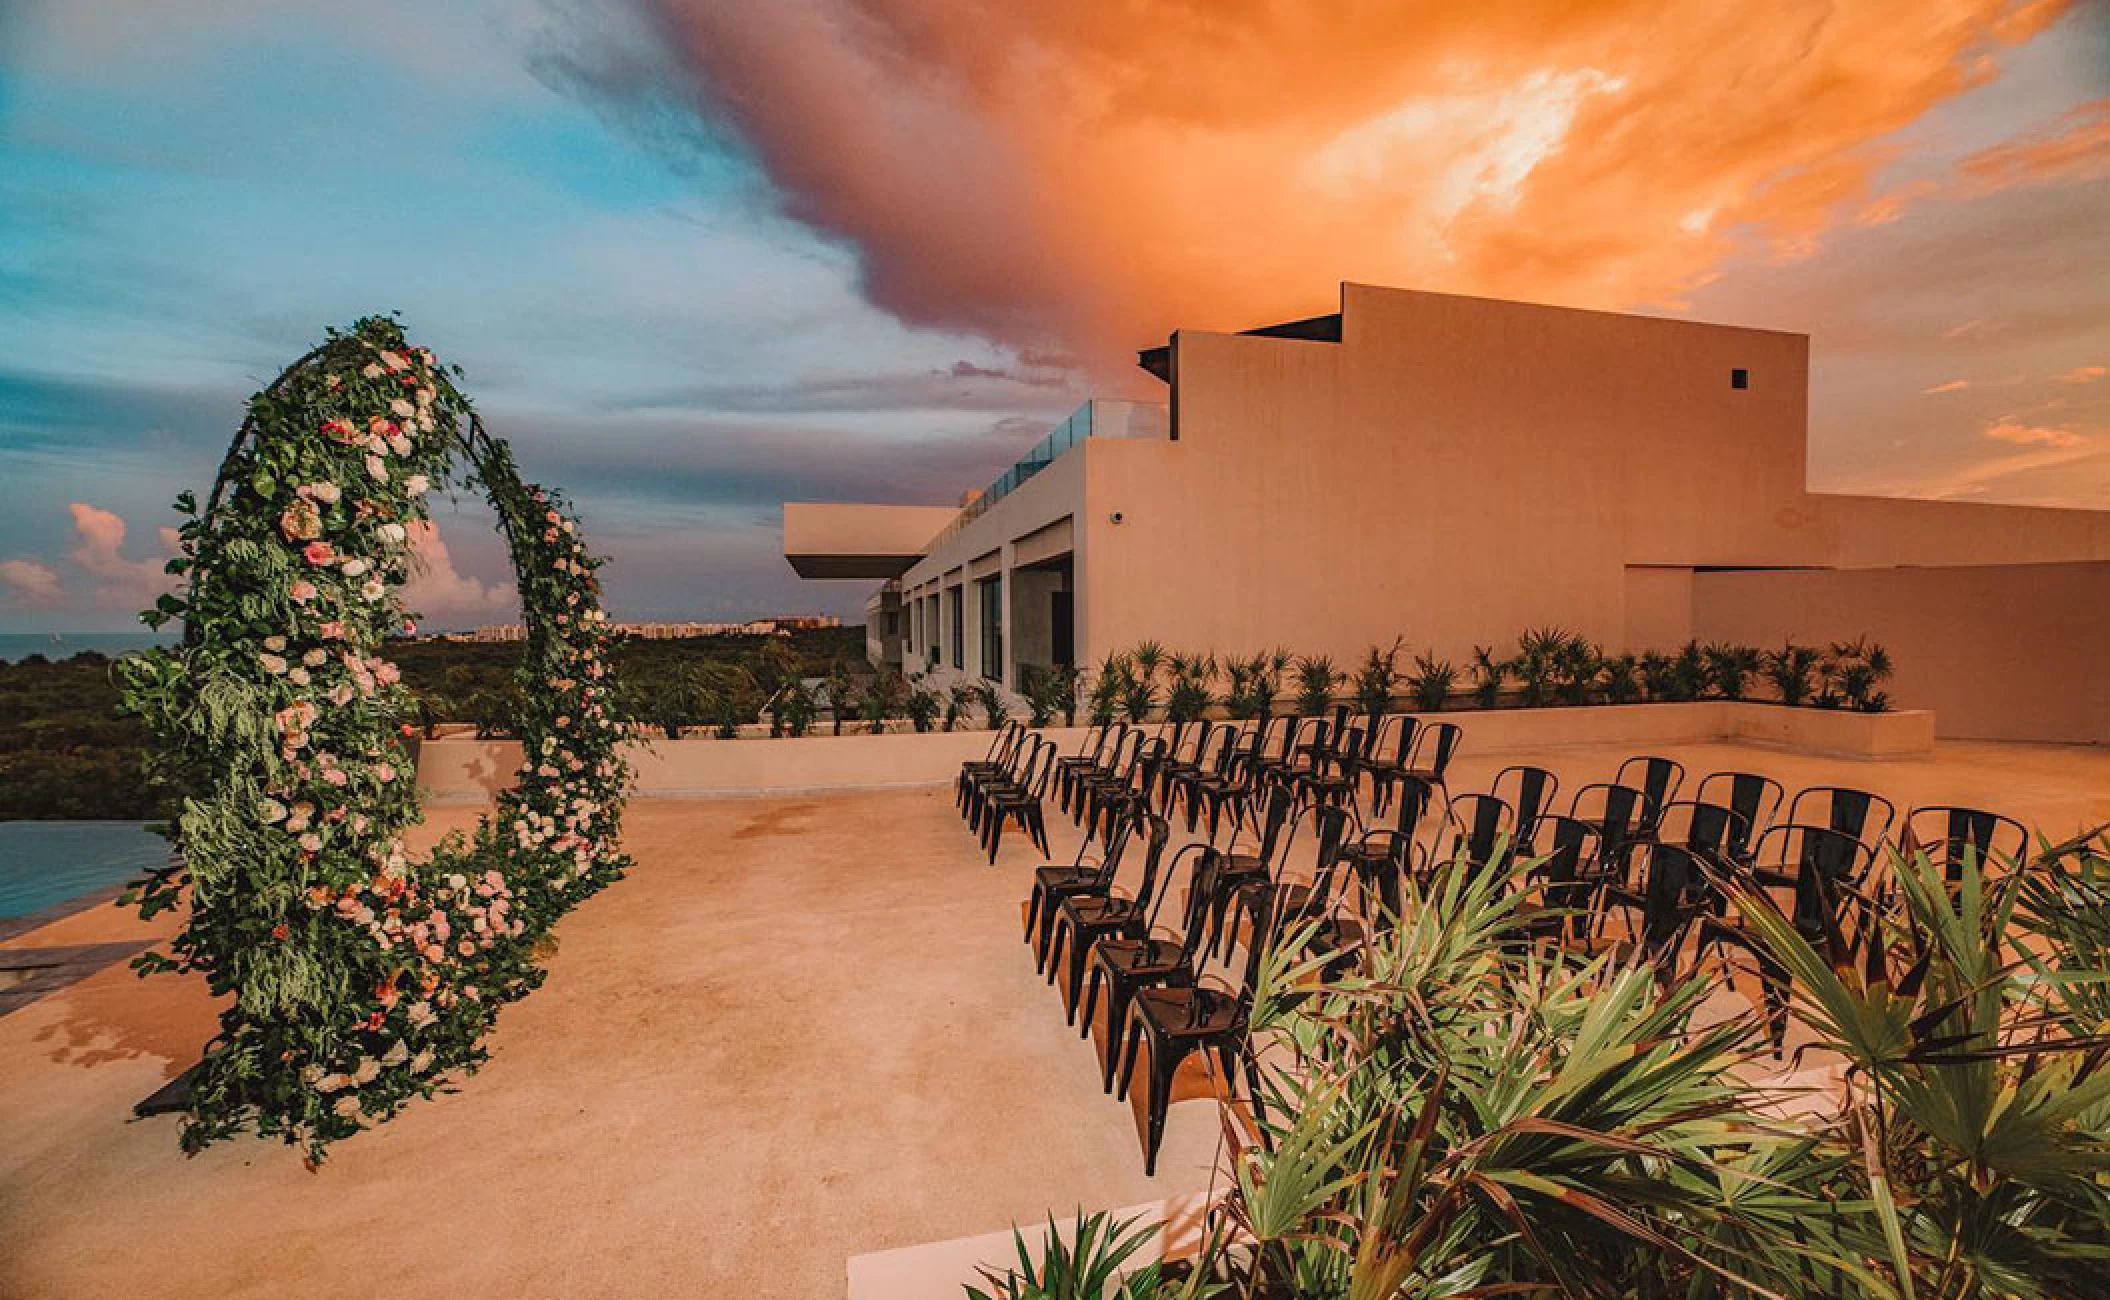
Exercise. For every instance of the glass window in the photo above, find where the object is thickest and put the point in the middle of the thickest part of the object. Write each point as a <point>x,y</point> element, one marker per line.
<point>959,629</point>
<point>992,597</point>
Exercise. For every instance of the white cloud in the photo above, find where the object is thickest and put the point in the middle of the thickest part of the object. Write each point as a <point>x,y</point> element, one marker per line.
<point>99,549</point>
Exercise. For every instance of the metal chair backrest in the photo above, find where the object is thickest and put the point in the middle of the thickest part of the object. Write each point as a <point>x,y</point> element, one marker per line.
<point>1716,831</point>
<point>1530,791</point>
<point>1658,779</point>
<point>1481,825</point>
<point>1949,834</point>
<point>1857,813</point>
<point>1677,885</point>
<point>1156,831</point>
<point>1128,747</point>
<point>1434,746</point>
<point>1621,812</point>
<point>1753,798</point>
<point>1401,727</point>
<point>1569,847</point>
<point>1825,864</point>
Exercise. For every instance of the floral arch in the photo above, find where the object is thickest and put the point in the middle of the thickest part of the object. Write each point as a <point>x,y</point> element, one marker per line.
<point>356,976</point>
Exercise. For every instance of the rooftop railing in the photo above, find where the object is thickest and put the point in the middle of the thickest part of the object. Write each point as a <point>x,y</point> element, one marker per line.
<point>1094,419</point>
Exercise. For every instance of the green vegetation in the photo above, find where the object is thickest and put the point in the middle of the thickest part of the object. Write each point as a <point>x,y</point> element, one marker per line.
<point>65,751</point>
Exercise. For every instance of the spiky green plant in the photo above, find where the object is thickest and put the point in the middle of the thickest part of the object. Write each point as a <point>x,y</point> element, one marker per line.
<point>1456,1111</point>
<point>1488,675</point>
<point>1688,677</point>
<point>1977,1101</point>
<point>1378,678</point>
<point>1317,680</point>
<point>996,710</point>
<point>922,707</point>
<point>1792,670</point>
<point>1189,694</point>
<point>1622,679</point>
<point>1851,673</point>
<point>1093,1262</point>
<point>1731,667</point>
<point>1431,682</point>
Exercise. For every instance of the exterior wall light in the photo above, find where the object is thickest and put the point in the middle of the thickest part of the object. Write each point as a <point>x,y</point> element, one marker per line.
<point>1116,517</point>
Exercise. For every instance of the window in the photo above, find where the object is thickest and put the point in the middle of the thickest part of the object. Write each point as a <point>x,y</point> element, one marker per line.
<point>930,631</point>
<point>990,591</point>
<point>959,627</point>
<point>893,622</point>
<point>1739,378</point>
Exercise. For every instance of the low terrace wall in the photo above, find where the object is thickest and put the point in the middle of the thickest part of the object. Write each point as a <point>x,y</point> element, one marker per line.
<point>463,769</point>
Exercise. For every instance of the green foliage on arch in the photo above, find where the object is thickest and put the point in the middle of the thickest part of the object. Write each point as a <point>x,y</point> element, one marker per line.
<point>354,976</point>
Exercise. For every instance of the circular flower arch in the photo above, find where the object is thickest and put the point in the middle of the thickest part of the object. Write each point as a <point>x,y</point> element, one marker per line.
<point>356,976</point>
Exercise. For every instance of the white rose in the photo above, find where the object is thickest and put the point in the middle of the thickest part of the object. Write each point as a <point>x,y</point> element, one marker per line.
<point>396,1055</point>
<point>332,1083</point>
<point>417,485</point>
<point>270,810</point>
<point>354,567</point>
<point>393,360</point>
<point>368,1070</point>
<point>425,424</point>
<point>425,396</point>
<point>299,677</point>
<point>316,658</point>
<point>272,663</point>
<point>347,1106</point>
<point>393,534</point>
<point>421,1062</point>
<point>376,470</point>
<point>327,493</point>
<point>373,590</point>
<point>402,409</point>
<point>274,643</point>
<point>399,444</point>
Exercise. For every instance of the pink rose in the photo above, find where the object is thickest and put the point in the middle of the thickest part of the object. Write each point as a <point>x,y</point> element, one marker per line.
<point>302,591</point>
<point>319,553</point>
<point>332,631</point>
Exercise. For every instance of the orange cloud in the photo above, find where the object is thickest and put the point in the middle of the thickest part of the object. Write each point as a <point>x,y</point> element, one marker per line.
<point>2033,435</point>
<point>31,583</point>
<point>1051,175</point>
<point>2083,374</point>
<point>1953,386</point>
<point>2075,148</point>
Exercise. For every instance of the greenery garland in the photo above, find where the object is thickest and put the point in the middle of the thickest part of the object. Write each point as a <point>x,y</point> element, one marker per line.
<point>355,976</point>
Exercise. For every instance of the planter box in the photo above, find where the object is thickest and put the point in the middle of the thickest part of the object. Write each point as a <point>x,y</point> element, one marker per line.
<point>464,769</point>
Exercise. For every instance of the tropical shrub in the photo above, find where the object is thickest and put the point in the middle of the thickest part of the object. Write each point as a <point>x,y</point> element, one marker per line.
<point>1852,673</point>
<point>995,710</point>
<point>921,707</point>
<point>1730,668</point>
<point>1088,1264</point>
<point>1488,675</point>
<point>1378,679</point>
<point>352,977</point>
<point>1622,679</point>
<point>1792,670</point>
<point>1317,680</point>
<point>1189,695</point>
<point>1431,682</point>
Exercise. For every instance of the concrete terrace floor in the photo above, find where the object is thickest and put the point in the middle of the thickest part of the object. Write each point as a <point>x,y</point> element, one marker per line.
<point>804,1029</point>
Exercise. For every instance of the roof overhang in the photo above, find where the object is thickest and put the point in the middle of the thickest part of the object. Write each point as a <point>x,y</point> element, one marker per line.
<point>834,540</point>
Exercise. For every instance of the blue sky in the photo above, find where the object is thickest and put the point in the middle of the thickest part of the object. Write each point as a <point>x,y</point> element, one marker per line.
<point>690,284</point>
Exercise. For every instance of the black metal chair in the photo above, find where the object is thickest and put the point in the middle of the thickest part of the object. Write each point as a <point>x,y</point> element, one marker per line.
<point>1950,835</point>
<point>1085,874</point>
<point>1070,767</point>
<point>998,762</point>
<point>1566,879</point>
<point>1716,832</point>
<point>1021,802</point>
<point>1435,745</point>
<point>1158,956</point>
<point>1529,791</point>
<point>1386,750</point>
<point>1227,785</point>
<point>1658,780</point>
<point>1479,828</point>
<point>1618,813</point>
<point>1753,798</point>
<point>1097,787</point>
<point>1222,874</point>
<point>1863,816</point>
<point>1083,919</point>
<point>1676,889</point>
<point>1209,758</point>
<point>1381,858</point>
<point>1826,871</point>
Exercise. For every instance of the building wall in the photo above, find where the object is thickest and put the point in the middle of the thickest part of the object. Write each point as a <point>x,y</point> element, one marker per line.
<point>1456,470</point>
<point>1998,652</point>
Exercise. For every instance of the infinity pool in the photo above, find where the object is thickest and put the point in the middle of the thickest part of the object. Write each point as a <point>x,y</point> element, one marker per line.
<point>45,863</point>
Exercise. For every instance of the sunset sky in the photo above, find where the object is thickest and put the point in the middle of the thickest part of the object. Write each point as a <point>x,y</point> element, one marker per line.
<point>698,258</point>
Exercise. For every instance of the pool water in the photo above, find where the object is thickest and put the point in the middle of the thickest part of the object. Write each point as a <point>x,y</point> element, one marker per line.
<point>47,863</point>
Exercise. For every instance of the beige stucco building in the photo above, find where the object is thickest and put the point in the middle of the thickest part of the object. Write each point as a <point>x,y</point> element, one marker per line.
<point>1453,470</point>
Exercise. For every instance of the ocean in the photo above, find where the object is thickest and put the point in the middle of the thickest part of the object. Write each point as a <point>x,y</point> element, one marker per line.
<point>17,646</point>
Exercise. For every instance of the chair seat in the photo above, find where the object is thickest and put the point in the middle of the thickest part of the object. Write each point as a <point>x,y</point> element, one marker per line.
<point>1102,910</point>
<point>1140,957</point>
<point>1187,1012</point>
<point>1055,877</point>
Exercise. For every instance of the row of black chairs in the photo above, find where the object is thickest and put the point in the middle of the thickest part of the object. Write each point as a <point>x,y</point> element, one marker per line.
<point>1370,818</point>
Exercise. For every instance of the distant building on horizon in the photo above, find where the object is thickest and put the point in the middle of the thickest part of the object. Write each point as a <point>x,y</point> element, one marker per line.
<point>1456,470</point>
<point>782,625</point>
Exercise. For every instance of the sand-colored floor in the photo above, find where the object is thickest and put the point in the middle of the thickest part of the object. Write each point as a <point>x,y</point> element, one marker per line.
<point>804,1029</point>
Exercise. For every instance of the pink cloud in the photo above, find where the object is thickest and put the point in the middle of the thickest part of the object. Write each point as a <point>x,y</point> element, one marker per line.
<point>31,584</point>
<point>2032,435</point>
<point>438,590</point>
<point>99,549</point>
<point>2084,374</point>
<point>1953,386</point>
